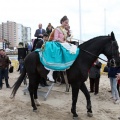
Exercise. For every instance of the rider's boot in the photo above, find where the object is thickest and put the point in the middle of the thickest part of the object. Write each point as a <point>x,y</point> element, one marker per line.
<point>50,76</point>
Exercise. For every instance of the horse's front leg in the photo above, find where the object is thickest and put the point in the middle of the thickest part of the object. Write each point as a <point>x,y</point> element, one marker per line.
<point>75,91</point>
<point>84,89</point>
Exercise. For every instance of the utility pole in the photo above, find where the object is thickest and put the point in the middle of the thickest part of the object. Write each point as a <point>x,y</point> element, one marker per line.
<point>105,21</point>
<point>80,19</point>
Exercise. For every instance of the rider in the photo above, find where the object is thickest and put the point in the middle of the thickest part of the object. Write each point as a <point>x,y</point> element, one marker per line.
<point>60,35</point>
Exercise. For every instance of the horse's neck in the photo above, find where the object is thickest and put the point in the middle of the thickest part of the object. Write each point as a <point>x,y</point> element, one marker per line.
<point>94,48</point>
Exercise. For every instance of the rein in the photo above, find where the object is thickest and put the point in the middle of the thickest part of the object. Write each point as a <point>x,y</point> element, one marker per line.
<point>93,55</point>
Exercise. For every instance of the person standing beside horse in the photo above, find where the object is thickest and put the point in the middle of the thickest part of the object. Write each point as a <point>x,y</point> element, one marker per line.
<point>118,86</point>
<point>4,65</point>
<point>94,76</point>
<point>113,70</point>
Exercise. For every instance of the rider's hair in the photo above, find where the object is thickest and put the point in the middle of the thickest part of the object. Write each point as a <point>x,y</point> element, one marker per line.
<point>63,19</point>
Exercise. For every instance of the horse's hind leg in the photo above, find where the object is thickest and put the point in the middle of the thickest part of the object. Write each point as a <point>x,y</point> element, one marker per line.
<point>35,94</point>
<point>75,91</point>
<point>31,91</point>
<point>84,89</point>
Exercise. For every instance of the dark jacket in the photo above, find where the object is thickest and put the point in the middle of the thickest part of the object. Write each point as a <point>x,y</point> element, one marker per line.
<point>112,71</point>
<point>48,31</point>
<point>4,61</point>
<point>95,70</point>
<point>38,32</point>
<point>35,43</point>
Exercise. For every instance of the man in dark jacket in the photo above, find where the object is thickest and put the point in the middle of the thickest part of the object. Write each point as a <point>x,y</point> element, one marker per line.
<point>4,65</point>
<point>94,76</point>
<point>39,32</point>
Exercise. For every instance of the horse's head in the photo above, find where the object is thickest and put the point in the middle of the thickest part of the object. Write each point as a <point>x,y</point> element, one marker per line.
<point>111,51</point>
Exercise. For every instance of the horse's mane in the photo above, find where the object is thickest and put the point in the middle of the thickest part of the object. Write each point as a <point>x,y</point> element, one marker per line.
<point>91,41</point>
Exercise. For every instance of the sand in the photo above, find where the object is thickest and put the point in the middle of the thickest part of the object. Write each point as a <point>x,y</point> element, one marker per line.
<point>58,104</point>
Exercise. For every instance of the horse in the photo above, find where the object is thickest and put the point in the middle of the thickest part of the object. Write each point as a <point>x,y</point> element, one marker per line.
<point>77,74</point>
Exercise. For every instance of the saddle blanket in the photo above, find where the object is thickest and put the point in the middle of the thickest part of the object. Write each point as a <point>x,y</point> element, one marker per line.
<point>56,56</point>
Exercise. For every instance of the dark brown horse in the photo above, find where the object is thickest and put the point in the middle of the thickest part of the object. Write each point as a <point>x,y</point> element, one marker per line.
<point>78,72</point>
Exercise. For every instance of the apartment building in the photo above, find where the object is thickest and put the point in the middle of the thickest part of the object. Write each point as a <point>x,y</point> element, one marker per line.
<point>15,33</point>
<point>19,33</point>
<point>0,31</point>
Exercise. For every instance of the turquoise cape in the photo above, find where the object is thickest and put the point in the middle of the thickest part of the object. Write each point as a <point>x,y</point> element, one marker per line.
<point>54,56</point>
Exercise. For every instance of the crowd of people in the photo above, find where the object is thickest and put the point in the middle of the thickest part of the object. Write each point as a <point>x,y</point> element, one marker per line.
<point>113,74</point>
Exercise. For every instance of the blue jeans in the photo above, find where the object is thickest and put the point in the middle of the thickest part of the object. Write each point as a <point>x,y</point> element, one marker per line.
<point>4,73</point>
<point>113,83</point>
<point>21,65</point>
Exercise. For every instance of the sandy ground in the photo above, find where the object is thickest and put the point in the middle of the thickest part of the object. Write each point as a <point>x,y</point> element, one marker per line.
<point>58,104</point>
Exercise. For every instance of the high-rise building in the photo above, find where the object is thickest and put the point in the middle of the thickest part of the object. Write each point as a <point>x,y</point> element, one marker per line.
<point>14,33</point>
<point>0,31</point>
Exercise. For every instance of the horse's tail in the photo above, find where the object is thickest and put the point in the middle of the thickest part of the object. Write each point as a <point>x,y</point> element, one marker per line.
<point>18,83</point>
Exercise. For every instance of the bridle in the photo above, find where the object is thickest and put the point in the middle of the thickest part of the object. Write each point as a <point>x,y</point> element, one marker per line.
<point>112,61</point>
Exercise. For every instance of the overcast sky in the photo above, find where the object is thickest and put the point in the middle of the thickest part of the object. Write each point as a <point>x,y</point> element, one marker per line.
<point>32,12</point>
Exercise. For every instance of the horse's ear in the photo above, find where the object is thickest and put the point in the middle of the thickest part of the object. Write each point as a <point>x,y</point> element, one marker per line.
<point>113,36</point>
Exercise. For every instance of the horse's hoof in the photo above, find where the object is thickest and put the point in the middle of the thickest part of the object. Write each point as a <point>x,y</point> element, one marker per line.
<point>38,104</point>
<point>89,114</point>
<point>35,110</point>
<point>75,116</point>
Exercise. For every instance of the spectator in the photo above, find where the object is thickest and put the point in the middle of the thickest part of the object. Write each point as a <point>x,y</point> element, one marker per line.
<point>118,86</point>
<point>39,32</point>
<point>118,83</point>
<point>42,41</point>
<point>4,65</point>
<point>94,76</point>
<point>49,29</point>
<point>113,81</point>
<point>22,52</point>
